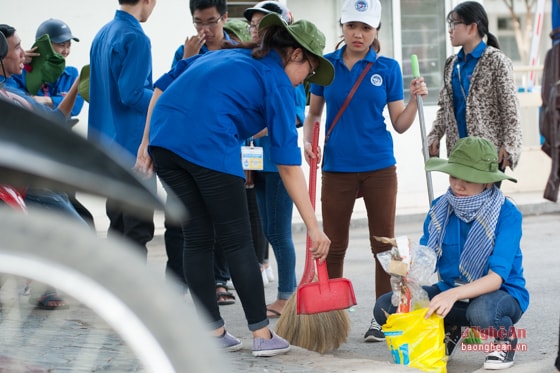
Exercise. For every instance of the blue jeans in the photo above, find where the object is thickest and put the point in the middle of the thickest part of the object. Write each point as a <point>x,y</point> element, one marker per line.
<point>53,201</point>
<point>276,206</point>
<point>497,310</point>
<point>218,216</point>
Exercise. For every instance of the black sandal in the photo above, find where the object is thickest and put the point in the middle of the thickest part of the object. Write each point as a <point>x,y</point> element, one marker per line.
<point>224,298</point>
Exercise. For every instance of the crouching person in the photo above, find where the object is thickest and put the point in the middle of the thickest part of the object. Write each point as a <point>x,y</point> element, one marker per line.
<point>476,234</point>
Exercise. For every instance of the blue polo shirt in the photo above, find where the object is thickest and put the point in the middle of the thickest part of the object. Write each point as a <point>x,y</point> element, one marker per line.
<point>212,102</point>
<point>120,83</point>
<point>360,141</point>
<point>505,260</point>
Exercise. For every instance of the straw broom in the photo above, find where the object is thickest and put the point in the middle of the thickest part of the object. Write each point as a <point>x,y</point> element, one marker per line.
<point>320,332</point>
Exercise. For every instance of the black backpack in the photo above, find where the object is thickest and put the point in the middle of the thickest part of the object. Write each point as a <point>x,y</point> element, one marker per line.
<point>549,123</point>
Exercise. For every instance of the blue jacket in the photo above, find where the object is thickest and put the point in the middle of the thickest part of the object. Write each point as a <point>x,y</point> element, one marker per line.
<point>213,102</point>
<point>120,83</point>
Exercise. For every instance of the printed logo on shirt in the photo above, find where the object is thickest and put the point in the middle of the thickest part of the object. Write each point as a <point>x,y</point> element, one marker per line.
<point>361,6</point>
<point>376,80</point>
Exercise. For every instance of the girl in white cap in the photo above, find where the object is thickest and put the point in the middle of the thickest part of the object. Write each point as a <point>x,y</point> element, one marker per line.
<point>358,150</point>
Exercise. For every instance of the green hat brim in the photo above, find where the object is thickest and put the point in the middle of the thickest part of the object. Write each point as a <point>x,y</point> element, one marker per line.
<point>324,74</point>
<point>83,85</point>
<point>466,173</point>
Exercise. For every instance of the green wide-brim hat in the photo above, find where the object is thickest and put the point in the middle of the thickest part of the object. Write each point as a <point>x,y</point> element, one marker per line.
<point>238,28</point>
<point>83,85</point>
<point>473,159</point>
<point>45,68</point>
<point>311,39</point>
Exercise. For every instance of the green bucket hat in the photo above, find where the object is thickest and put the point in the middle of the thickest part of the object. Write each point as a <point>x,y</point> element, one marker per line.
<point>238,28</point>
<point>45,68</point>
<point>473,159</point>
<point>83,85</point>
<point>311,39</point>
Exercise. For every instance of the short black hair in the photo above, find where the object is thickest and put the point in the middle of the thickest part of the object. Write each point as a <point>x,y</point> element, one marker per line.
<point>221,5</point>
<point>130,2</point>
<point>7,30</point>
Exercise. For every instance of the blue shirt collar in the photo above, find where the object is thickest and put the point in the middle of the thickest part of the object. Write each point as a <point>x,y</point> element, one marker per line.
<point>476,53</point>
<point>371,56</point>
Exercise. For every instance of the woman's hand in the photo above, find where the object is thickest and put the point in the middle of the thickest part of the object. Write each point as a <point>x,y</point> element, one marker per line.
<point>144,165</point>
<point>321,244</point>
<point>504,158</point>
<point>418,87</point>
<point>433,149</point>
<point>308,153</point>
<point>442,303</point>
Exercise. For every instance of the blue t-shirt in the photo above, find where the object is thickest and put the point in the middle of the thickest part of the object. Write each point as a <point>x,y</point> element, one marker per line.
<point>212,102</point>
<point>360,141</point>
<point>120,83</point>
<point>505,260</point>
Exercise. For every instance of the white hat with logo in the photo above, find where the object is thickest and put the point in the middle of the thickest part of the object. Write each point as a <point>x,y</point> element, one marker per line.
<point>365,11</point>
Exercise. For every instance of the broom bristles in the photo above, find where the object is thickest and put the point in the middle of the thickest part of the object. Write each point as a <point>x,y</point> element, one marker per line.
<point>321,332</point>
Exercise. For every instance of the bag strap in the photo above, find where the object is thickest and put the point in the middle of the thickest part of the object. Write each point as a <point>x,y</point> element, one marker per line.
<point>348,98</point>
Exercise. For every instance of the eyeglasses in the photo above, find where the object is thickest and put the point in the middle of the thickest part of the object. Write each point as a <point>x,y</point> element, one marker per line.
<point>452,24</point>
<point>251,27</point>
<point>311,70</point>
<point>209,24</point>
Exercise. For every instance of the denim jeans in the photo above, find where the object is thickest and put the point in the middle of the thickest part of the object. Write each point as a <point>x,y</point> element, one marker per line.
<point>218,216</point>
<point>497,310</point>
<point>276,207</point>
<point>53,201</point>
<point>338,196</point>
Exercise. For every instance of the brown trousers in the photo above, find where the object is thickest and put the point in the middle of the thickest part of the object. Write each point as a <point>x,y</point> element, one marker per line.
<point>338,195</point>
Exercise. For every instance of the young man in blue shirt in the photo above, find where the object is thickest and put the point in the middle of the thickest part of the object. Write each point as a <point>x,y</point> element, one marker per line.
<point>120,91</point>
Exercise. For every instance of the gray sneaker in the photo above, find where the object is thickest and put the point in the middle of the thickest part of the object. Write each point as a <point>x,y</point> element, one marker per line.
<point>270,347</point>
<point>229,343</point>
<point>374,333</point>
<point>502,355</point>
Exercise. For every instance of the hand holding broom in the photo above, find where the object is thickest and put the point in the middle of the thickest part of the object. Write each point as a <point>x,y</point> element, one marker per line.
<point>320,332</point>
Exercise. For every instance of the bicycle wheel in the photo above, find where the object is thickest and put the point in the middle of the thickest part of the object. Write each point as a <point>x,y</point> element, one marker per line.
<point>106,278</point>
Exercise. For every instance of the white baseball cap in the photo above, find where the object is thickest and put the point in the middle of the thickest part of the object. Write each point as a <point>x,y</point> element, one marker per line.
<point>365,11</point>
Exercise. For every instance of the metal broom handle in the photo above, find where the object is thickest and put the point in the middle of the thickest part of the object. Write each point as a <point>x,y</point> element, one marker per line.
<point>416,74</point>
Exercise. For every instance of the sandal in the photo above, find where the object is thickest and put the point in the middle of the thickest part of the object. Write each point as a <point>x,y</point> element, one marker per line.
<point>224,297</point>
<point>49,301</point>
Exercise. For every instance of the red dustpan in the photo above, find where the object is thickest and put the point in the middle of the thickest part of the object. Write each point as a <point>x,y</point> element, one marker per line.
<point>325,295</point>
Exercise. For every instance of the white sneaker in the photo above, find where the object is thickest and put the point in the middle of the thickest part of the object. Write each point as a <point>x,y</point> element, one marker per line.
<point>269,273</point>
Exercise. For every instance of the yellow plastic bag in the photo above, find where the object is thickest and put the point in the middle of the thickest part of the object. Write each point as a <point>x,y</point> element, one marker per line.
<point>415,341</point>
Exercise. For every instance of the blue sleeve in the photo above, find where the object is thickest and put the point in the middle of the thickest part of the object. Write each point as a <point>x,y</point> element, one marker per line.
<point>169,77</point>
<point>301,101</point>
<point>134,72</point>
<point>507,241</point>
<point>282,132</point>
<point>395,90</point>
<point>63,85</point>
<point>178,55</point>
<point>317,89</point>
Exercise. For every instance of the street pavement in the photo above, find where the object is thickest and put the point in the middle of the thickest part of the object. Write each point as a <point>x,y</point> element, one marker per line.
<point>541,321</point>
<point>541,237</point>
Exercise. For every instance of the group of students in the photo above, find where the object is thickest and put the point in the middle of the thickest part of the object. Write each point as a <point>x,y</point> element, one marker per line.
<point>189,125</point>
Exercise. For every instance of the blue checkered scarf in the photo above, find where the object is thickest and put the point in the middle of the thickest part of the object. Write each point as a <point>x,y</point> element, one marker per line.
<point>484,209</point>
